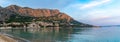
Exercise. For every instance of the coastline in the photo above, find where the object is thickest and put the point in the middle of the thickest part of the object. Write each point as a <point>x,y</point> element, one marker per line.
<point>4,38</point>
<point>9,38</point>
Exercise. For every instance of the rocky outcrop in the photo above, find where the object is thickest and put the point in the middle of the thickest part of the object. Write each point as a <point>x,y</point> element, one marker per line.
<point>33,12</point>
<point>38,12</point>
<point>5,14</point>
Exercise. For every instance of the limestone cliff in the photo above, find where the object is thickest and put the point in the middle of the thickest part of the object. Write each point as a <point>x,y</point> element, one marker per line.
<point>38,12</point>
<point>14,13</point>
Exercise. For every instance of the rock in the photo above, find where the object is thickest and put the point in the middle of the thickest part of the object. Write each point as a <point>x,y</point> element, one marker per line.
<point>38,12</point>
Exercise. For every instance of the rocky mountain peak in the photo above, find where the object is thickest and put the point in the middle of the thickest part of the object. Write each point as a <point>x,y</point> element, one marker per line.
<point>33,12</point>
<point>26,11</point>
<point>15,6</point>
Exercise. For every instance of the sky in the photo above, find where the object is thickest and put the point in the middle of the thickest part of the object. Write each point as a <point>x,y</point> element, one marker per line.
<point>95,12</point>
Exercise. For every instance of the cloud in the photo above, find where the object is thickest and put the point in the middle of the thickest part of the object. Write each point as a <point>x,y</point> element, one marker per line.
<point>103,16</point>
<point>89,5</point>
<point>104,13</point>
<point>97,12</point>
<point>94,3</point>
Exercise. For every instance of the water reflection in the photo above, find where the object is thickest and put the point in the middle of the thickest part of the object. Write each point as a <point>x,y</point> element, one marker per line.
<point>68,34</point>
<point>52,34</point>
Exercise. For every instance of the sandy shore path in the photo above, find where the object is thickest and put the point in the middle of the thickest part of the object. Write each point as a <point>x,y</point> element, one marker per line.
<point>1,40</point>
<point>4,38</point>
<point>9,38</point>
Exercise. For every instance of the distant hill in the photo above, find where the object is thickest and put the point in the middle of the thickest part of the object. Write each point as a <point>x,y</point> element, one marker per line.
<point>14,13</point>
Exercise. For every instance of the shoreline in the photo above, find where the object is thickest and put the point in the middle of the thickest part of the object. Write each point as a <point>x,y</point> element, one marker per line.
<point>4,38</point>
<point>9,38</point>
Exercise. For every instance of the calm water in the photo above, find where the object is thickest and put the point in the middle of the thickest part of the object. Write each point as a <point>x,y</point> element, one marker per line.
<point>77,34</point>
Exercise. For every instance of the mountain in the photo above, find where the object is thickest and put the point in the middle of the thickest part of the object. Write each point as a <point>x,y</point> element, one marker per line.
<point>14,13</point>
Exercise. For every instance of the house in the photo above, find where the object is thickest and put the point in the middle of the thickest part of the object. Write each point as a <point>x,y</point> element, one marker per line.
<point>33,25</point>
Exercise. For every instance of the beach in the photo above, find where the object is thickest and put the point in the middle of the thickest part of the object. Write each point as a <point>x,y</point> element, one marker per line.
<point>4,38</point>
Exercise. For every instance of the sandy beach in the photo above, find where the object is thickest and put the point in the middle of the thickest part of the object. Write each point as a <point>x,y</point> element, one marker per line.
<point>4,38</point>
